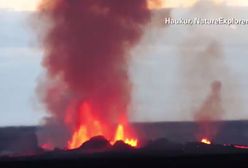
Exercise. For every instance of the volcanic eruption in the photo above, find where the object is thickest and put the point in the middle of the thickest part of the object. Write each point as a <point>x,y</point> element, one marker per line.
<point>86,88</point>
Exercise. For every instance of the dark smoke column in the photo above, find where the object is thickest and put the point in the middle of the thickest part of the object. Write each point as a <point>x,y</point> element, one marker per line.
<point>86,44</point>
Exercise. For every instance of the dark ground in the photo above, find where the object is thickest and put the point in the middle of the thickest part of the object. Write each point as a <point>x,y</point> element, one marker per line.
<point>173,145</point>
<point>131,159</point>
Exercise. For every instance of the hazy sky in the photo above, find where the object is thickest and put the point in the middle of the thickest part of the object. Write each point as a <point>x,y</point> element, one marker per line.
<point>154,71</point>
<point>31,5</point>
<point>19,68</point>
<point>164,91</point>
<point>19,5</point>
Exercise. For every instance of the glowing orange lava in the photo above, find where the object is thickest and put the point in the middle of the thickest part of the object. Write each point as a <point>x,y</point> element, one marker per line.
<point>241,146</point>
<point>120,136</point>
<point>78,137</point>
<point>90,125</point>
<point>206,141</point>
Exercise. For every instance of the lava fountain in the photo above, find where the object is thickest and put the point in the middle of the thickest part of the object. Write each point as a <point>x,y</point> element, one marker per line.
<point>120,136</point>
<point>90,125</point>
<point>206,141</point>
<point>86,87</point>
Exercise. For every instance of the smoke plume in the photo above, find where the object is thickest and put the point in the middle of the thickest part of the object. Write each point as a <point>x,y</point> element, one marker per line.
<point>203,65</point>
<point>86,44</point>
<point>211,110</point>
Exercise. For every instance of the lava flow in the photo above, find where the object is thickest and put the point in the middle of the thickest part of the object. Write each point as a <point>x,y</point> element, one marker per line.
<point>206,141</point>
<point>90,125</point>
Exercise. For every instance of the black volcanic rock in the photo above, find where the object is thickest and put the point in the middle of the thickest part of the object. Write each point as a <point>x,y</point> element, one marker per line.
<point>121,146</point>
<point>162,144</point>
<point>201,148</point>
<point>97,143</point>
